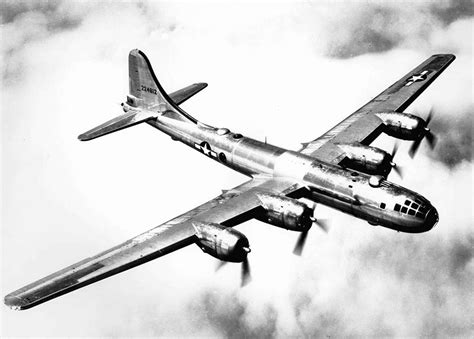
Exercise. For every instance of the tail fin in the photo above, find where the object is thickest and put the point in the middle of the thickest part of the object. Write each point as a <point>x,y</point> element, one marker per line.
<point>145,89</point>
<point>147,99</point>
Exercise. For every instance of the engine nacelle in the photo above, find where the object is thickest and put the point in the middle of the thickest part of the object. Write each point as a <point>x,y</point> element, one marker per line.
<point>286,212</point>
<point>224,243</point>
<point>402,125</point>
<point>367,159</point>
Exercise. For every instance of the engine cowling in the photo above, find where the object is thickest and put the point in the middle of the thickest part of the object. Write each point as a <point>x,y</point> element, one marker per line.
<point>402,125</point>
<point>286,212</point>
<point>224,243</point>
<point>367,159</point>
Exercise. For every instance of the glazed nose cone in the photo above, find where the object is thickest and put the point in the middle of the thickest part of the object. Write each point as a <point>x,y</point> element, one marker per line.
<point>431,218</point>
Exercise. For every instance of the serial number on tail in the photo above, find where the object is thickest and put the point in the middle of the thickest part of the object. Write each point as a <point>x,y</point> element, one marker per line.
<point>149,90</point>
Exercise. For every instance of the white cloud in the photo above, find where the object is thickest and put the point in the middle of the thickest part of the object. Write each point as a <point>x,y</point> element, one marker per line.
<point>280,71</point>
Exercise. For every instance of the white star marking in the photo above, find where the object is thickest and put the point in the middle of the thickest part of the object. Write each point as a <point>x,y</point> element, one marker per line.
<point>416,77</point>
<point>206,149</point>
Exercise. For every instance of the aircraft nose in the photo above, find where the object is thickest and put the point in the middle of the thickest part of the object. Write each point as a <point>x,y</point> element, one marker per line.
<point>432,218</point>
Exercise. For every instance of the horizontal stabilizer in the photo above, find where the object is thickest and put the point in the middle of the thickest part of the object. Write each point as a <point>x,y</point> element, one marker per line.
<point>123,121</point>
<point>184,94</point>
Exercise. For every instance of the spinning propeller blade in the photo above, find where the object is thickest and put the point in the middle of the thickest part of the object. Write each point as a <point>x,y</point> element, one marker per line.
<point>300,243</point>
<point>398,169</point>
<point>323,224</point>
<point>220,264</point>
<point>430,137</point>
<point>245,273</point>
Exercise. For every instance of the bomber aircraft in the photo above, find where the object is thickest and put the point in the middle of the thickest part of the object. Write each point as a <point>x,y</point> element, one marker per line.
<point>339,169</point>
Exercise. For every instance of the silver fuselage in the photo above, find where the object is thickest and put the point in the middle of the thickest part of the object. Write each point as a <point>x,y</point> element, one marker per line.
<point>347,190</point>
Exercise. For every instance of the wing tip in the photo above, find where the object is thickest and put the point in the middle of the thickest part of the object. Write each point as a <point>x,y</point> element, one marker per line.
<point>447,55</point>
<point>15,303</point>
<point>83,137</point>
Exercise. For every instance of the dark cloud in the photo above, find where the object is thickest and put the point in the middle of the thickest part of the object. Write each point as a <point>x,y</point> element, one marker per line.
<point>10,10</point>
<point>57,18</point>
<point>454,135</point>
<point>444,271</point>
<point>229,315</point>
<point>373,28</point>
<point>364,34</point>
<point>27,22</point>
<point>451,11</point>
<point>429,278</point>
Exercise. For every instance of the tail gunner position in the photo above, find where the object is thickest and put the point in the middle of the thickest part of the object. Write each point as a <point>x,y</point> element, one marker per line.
<point>339,169</point>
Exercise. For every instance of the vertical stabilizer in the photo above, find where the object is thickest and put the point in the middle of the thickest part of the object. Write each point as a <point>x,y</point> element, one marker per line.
<point>145,90</point>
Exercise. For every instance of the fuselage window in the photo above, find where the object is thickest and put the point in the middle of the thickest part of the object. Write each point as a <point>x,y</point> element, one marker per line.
<point>404,209</point>
<point>397,208</point>
<point>222,131</point>
<point>411,212</point>
<point>350,186</point>
<point>354,174</point>
<point>382,205</point>
<point>222,158</point>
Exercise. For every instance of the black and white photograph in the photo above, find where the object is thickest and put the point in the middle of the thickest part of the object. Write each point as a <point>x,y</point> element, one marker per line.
<point>237,169</point>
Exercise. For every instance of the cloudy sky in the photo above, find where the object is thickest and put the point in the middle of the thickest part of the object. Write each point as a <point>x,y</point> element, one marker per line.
<point>283,71</point>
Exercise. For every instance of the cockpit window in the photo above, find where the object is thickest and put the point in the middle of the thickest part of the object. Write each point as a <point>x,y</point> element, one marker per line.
<point>237,136</point>
<point>416,209</point>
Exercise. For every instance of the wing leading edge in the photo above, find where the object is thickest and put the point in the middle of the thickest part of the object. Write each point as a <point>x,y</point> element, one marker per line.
<point>363,126</point>
<point>230,208</point>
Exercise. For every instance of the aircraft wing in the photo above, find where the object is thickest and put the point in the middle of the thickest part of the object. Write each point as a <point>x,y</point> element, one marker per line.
<point>185,93</point>
<point>364,126</point>
<point>230,208</point>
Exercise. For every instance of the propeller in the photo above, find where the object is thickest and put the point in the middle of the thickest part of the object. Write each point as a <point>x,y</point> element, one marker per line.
<point>220,264</point>
<point>245,273</point>
<point>396,168</point>
<point>245,276</point>
<point>426,132</point>
<point>300,242</point>
<point>323,224</point>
